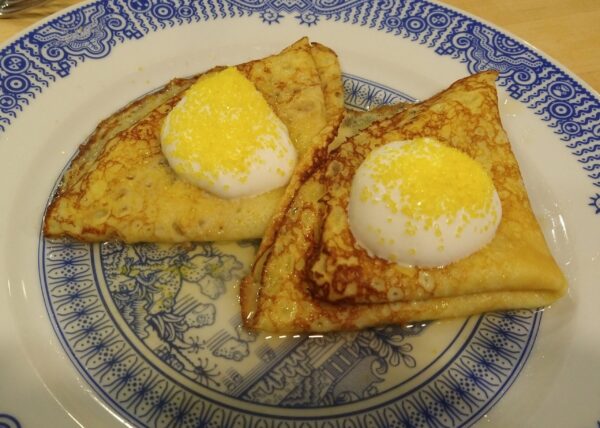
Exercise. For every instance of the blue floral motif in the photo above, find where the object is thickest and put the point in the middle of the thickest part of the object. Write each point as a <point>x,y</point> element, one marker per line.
<point>270,17</point>
<point>145,283</point>
<point>293,376</point>
<point>65,41</point>
<point>363,95</point>
<point>354,371</point>
<point>389,344</point>
<point>308,18</point>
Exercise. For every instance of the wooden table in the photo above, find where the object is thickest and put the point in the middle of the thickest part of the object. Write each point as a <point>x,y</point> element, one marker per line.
<point>566,30</point>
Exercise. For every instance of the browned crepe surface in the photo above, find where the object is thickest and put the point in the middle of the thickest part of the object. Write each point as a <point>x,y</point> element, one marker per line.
<point>311,276</point>
<point>120,186</point>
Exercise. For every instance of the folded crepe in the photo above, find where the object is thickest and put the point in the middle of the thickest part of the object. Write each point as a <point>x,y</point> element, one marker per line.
<point>120,186</point>
<point>311,275</point>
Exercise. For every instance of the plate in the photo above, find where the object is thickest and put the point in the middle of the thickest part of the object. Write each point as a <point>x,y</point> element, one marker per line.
<point>150,335</point>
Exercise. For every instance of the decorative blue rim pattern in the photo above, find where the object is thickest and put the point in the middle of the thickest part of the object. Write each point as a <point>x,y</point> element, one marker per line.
<point>49,52</point>
<point>457,394</point>
<point>80,289</point>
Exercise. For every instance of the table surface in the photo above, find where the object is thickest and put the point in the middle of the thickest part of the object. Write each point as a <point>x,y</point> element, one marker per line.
<point>566,30</point>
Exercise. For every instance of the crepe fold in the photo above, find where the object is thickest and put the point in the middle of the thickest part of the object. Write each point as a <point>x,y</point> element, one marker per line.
<point>119,186</point>
<point>311,275</point>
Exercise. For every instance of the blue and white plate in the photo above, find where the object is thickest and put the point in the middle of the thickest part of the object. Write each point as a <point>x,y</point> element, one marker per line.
<point>149,335</point>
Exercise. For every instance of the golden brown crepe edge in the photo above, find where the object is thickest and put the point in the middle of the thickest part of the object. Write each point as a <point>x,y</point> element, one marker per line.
<point>351,317</point>
<point>106,130</point>
<point>249,288</point>
<point>342,316</point>
<point>325,62</point>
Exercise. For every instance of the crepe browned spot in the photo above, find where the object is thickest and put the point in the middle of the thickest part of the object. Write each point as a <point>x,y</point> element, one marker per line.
<point>120,186</point>
<point>303,193</point>
<point>314,277</point>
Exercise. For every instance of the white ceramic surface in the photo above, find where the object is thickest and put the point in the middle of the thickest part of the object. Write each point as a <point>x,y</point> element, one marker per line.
<point>39,384</point>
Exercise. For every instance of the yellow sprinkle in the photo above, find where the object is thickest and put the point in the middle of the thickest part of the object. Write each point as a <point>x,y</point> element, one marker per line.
<point>410,229</point>
<point>426,180</point>
<point>219,125</point>
<point>365,194</point>
<point>390,203</point>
